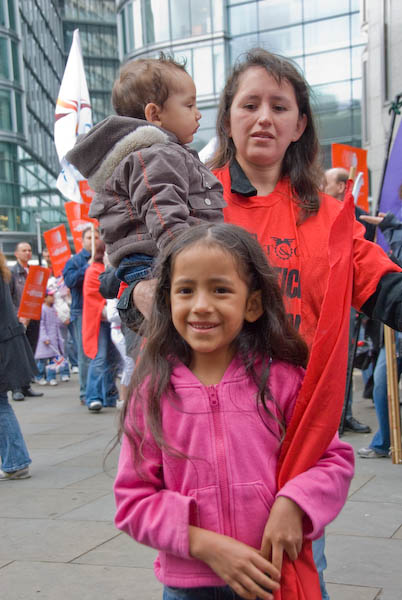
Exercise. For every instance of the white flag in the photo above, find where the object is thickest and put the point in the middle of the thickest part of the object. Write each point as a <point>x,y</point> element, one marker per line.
<point>73,116</point>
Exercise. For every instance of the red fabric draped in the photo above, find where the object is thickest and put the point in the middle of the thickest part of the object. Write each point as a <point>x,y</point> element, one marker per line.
<point>319,405</point>
<point>93,303</point>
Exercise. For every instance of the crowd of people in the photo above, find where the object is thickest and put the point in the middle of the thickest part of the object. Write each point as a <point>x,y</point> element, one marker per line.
<point>235,286</point>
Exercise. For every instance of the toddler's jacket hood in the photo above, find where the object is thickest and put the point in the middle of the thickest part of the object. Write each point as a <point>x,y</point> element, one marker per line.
<point>97,153</point>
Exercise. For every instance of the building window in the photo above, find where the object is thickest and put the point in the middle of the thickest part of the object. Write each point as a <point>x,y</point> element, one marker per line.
<point>4,62</point>
<point>243,19</point>
<point>5,110</point>
<point>156,21</point>
<point>385,66</point>
<point>203,70</point>
<point>365,101</point>
<point>317,9</point>
<point>276,13</point>
<point>287,41</point>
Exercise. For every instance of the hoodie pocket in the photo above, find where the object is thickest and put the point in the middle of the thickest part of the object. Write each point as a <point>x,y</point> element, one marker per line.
<point>207,513</point>
<point>252,504</point>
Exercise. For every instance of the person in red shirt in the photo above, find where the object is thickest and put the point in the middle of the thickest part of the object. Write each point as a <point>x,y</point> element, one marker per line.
<point>267,159</point>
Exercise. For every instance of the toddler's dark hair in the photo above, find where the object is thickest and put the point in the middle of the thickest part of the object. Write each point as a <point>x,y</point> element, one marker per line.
<point>142,81</point>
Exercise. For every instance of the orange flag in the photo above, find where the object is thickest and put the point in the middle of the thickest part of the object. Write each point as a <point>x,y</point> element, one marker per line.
<point>77,216</point>
<point>34,293</point>
<point>58,246</point>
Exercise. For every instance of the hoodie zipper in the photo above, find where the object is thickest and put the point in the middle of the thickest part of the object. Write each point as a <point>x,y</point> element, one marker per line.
<point>223,481</point>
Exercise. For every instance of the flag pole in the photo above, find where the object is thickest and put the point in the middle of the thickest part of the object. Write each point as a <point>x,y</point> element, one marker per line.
<point>394,416</point>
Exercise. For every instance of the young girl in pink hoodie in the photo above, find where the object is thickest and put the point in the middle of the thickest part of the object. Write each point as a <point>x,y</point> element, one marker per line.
<point>214,392</point>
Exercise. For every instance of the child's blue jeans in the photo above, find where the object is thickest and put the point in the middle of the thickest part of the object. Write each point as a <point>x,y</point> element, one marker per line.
<point>48,370</point>
<point>200,593</point>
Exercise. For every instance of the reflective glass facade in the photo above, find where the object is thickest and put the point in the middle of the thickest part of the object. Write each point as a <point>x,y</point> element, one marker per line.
<point>96,20</point>
<point>322,37</point>
<point>35,38</point>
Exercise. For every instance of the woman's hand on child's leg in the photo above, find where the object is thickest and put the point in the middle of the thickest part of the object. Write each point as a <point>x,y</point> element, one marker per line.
<point>283,532</point>
<point>143,296</point>
<point>242,567</point>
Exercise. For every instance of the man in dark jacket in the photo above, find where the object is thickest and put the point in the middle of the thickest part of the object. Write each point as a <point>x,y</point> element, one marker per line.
<point>73,273</point>
<point>19,273</point>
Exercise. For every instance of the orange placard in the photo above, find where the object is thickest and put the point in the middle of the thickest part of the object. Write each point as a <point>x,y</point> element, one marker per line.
<point>349,156</point>
<point>77,216</point>
<point>87,193</point>
<point>58,246</point>
<point>34,293</point>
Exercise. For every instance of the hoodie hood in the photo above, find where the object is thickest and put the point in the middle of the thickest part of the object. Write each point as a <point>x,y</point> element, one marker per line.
<point>97,153</point>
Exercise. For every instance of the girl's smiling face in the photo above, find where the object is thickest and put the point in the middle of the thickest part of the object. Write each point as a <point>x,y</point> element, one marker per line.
<point>209,302</point>
<point>264,119</point>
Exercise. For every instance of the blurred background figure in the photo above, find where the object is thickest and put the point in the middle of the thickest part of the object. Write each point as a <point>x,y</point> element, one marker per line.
<point>19,273</point>
<point>73,273</point>
<point>50,349</point>
<point>101,390</point>
<point>17,367</point>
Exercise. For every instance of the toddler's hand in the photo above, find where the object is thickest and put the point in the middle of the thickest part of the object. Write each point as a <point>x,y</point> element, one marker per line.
<point>283,532</point>
<point>243,568</point>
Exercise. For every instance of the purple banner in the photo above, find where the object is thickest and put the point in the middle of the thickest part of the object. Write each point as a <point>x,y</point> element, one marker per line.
<point>391,193</point>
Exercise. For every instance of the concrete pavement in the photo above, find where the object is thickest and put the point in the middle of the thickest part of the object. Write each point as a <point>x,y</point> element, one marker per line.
<point>58,541</point>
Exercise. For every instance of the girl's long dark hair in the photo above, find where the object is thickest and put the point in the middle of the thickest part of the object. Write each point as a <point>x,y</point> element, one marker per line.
<point>270,337</point>
<point>300,162</point>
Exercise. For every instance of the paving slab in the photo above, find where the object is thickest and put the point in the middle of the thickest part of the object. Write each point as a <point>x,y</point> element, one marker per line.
<point>351,592</point>
<point>398,534</point>
<point>364,561</point>
<point>101,509</point>
<point>359,480</point>
<point>50,540</point>
<point>121,551</point>
<point>92,459</point>
<point>380,519</point>
<point>382,487</point>
<point>36,503</point>
<point>50,581</point>
<point>101,481</point>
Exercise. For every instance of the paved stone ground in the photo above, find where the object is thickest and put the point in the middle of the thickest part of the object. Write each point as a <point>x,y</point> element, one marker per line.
<point>58,541</point>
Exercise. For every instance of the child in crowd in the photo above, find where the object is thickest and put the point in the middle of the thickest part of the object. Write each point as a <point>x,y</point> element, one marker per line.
<point>213,393</point>
<point>149,185</point>
<point>49,352</point>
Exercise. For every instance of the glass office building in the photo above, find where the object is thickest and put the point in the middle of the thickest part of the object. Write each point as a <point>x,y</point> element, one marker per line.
<point>322,37</point>
<point>35,39</point>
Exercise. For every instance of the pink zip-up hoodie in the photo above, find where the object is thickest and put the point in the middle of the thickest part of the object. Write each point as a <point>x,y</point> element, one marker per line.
<point>228,482</point>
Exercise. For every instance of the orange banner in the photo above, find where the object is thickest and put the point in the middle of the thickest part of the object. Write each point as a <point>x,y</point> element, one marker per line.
<point>77,216</point>
<point>87,193</point>
<point>349,156</point>
<point>58,246</point>
<point>34,293</point>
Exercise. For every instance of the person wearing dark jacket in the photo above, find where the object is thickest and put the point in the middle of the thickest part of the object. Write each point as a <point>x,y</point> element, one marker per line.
<point>73,273</point>
<point>17,367</point>
<point>19,273</point>
<point>381,442</point>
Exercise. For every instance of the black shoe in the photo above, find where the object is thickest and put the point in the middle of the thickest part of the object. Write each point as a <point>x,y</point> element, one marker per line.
<point>18,395</point>
<point>31,393</point>
<point>353,424</point>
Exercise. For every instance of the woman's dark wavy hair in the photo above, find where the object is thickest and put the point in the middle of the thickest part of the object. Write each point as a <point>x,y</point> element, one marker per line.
<point>270,337</point>
<point>301,161</point>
